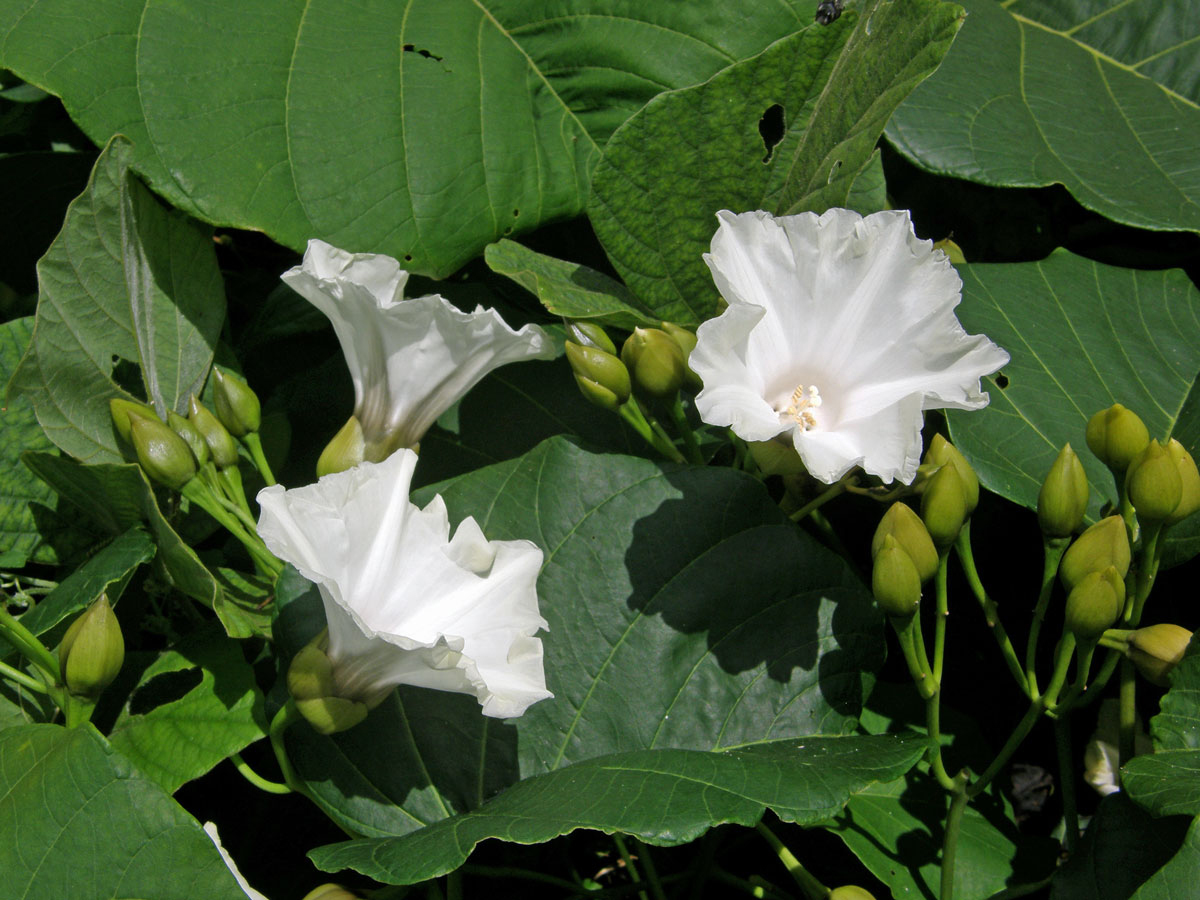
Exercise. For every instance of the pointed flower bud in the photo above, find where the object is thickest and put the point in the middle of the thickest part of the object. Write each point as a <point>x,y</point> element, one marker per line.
<point>1189,480</point>
<point>655,362</point>
<point>850,892</point>
<point>1104,544</point>
<point>237,405</point>
<point>1153,484</point>
<point>120,409</point>
<point>589,334</point>
<point>601,376</point>
<point>163,454</point>
<point>92,650</point>
<point>345,451</point>
<point>191,436</point>
<point>910,533</point>
<point>895,580</point>
<point>1116,435</point>
<point>944,505</point>
<point>940,452</point>
<point>330,892</point>
<point>1157,649</point>
<point>220,442</point>
<point>1063,498</point>
<point>1094,604</point>
<point>687,343</point>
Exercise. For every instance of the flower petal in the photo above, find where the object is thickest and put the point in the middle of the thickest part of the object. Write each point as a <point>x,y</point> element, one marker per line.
<point>405,603</point>
<point>410,360</point>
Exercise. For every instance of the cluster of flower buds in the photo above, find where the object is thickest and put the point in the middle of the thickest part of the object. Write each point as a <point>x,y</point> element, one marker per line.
<point>904,559</point>
<point>599,372</point>
<point>652,363</point>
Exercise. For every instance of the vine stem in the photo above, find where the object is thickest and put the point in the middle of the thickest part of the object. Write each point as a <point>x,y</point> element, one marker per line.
<point>633,416</point>
<point>835,490</point>
<point>25,641</point>
<point>288,715</point>
<point>958,806</point>
<point>254,445</point>
<point>271,787</point>
<point>1066,780</point>
<point>991,612</point>
<point>1052,553</point>
<point>684,427</point>
<point>22,679</point>
<point>812,888</point>
<point>626,858</point>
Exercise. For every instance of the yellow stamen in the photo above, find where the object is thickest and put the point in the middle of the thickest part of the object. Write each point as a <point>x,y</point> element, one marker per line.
<point>803,401</point>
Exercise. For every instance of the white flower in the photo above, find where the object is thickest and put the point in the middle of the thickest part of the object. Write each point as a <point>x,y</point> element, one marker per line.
<point>410,360</point>
<point>405,602</point>
<point>840,332</point>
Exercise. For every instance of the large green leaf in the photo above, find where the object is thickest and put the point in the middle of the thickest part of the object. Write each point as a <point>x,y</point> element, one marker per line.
<point>115,564</point>
<point>1102,96</point>
<point>80,821</point>
<point>181,740</point>
<point>894,829</point>
<point>671,167</point>
<point>1124,846</point>
<point>126,280</point>
<point>661,796</point>
<point>652,643</point>
<point>425,129</point>
<point>1082,336</point>
<point>117,497</point>
<point>19,431</point>
<point>1179,876</point>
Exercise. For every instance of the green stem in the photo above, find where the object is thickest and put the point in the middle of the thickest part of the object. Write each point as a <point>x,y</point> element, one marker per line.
<point>634,875</point>
<point>22,679</point>
<point>78,710</point>
<point>958,805</point>
<point>812,888</point>
<point>454,885</point>
<point>526,874</point>
<point>1062,662</point>
<point>1146,573</point>
<point>1066,780</point>
<point>199,493</point>
<point>834,490</point>
<point>651,872</point>
<point>684,427</point>
<point>990,611</point>
<point>943,613</point>
<point>908,633</point>
<point>271,787</point>
<point>756,889</point>
<point>254,445</point>
<point>1128,713</point>
<point>1052,552</point>
<point>1083,667</point>
<point>288,715</point>
<point>235,489</point>
<point>27,643</point>
<point>633,416</point>
<point>1010,747</point>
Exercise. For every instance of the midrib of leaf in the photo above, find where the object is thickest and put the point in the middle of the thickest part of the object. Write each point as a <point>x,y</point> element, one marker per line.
<point>287,110</point>
<point>1101,56</point>
<point>535,68</point>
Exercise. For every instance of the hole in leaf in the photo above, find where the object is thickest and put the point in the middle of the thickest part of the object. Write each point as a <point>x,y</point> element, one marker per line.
<point>1001,381</point>
<point>409,48</point>
<point>127,375</point>
<point>771,127</point>
<point>837,164</point>
<point>163,689</point>
<point>408,257</point>
<point>516,212</point>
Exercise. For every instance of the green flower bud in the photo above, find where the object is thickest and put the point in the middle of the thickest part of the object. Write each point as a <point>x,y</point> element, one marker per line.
<point>1094,604</point>
<point>850,892</point>
<point>602,378</point>
<point>1157,649</point>
<point>345,451</point>
<point>911,534</point>
<point>237,406</point>
<point>330,892</point>
<point>163,454</point>
<point>220,442</point>
<point>940,452</point>
<point>92,650</point>
<point>190,435</point>
<point>1063,498</point>
<point>944,505</point>
<point>310,675</point>
<point>1116,435</point>
<point>1104,544</point>
<point>687,343</point>
<point>1152,484</point>
<point>952,250</point>
<point>655,362</point>
<point>589,334</point>
<point>1189,482</point>
<point>895,580</point>
<point>329,715</point>
<point>120,409</point>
